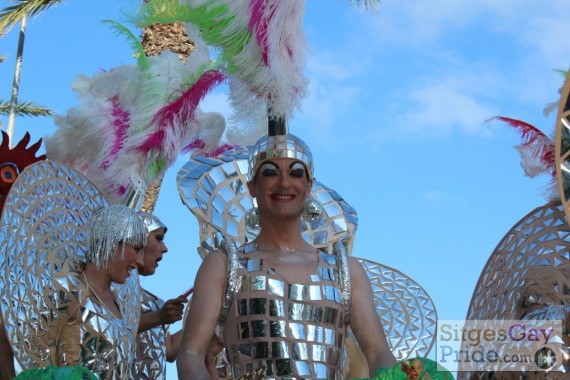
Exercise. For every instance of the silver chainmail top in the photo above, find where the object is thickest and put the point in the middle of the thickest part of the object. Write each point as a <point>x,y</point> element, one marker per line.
<point>150,354</point>
<point>282,146</point>
<point>151,222</point>
<point>294,330</point>
<point>110,226</point>
<point>43,237</point>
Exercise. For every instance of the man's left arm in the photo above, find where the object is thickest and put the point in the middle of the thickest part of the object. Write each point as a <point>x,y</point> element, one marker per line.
<point>365,323</point>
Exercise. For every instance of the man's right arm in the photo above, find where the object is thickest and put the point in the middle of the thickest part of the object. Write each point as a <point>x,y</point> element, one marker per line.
<point>202,318</point>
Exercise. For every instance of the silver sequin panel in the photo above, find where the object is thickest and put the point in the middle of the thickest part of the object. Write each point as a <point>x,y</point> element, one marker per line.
<point>150,354</point>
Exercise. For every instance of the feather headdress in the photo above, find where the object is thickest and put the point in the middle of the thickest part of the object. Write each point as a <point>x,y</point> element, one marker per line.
<point>261,44</point>
<point>133,121</point>
<point>262,47</point>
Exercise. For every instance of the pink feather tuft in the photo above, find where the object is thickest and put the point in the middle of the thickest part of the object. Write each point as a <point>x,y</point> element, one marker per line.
<point>181,109</point>
<point>258,25</point>
<point>543,146</point>
<point>199,144</point>
<point>153,142</point>
<point>194,145</point>
<point>221,149</point>
<point>120,126</point>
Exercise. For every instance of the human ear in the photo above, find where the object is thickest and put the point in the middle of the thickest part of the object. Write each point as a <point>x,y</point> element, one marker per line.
<point>309,185</point>
<point>251,188</point>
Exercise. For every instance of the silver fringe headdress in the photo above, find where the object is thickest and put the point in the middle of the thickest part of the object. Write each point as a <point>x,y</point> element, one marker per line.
<point>151,222</point>
<point>108,227</point>
<point>278,144</point>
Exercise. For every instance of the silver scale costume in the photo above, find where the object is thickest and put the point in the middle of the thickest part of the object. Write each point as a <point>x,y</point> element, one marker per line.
<point>294,330</point>
<point>48,309</point>
<point>150,355</point>
<point>87,333</point>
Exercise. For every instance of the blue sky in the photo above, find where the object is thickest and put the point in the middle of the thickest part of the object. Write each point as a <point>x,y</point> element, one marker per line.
<point>395,118</point>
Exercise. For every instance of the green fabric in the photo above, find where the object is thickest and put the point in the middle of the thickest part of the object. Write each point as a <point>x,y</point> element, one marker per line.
<point>414,369</point>
<point>57,373</point>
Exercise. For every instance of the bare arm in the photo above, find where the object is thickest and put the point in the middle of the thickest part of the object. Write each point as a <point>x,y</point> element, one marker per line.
<point>365,323</point>
<point>202,318</point>
<point>216,346</point>
<point>170,312</point>
<point>173,345</point>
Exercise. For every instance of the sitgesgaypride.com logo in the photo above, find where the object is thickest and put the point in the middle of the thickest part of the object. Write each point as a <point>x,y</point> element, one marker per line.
<point>500,345</point>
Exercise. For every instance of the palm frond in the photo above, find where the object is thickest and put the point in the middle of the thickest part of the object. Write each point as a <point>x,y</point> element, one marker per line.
<point>25,109</point>
<point>11,15</point>
<point>2,58</point>
<point>132,40</point>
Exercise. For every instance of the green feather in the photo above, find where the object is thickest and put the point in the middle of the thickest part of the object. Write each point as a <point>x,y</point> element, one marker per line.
<point>136,45</point>
<point>212,21</point>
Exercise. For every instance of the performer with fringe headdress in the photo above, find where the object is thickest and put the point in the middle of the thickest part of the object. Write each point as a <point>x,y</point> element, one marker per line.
<point>131,124</point>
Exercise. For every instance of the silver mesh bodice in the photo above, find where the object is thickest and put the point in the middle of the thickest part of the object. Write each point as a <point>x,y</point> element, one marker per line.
<point>294,330</point>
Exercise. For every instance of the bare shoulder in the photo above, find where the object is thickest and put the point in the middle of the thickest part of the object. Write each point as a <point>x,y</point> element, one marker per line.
<point>214,264</point>
<point>357,272</point>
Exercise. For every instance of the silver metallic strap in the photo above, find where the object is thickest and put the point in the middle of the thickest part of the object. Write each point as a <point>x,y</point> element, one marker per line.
<point>229,247</point>
<point>340,252</point>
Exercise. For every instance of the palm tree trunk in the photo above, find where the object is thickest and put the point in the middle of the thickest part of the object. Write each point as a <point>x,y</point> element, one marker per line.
<point>156,39</point>
<point>16,83</point>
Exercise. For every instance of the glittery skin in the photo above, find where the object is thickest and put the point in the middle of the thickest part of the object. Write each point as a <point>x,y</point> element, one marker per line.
<point>282,146</point>
<point>86,333</point>
<point>294,330</point>
<point>150,357</point>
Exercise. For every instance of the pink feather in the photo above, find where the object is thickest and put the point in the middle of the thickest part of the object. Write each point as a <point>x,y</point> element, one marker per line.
<point>258,24</point>
<point>120,126</point>
<point>181,109</point>
<point>544,147</point>
<point>199,144</point>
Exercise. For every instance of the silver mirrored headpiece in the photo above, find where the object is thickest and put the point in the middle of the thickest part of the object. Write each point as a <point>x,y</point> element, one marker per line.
<point>151,222</point>
<point>108,227</point>
<point>278,144</point>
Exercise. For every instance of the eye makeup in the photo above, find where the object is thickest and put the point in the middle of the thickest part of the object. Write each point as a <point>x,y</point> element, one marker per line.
<point>297,169</point>
<point>269,169</point>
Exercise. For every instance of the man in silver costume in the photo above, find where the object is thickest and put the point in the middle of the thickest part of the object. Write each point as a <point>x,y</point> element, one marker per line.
<point>289,304</point>
<point>155,345</point>
<point>92,328</point>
